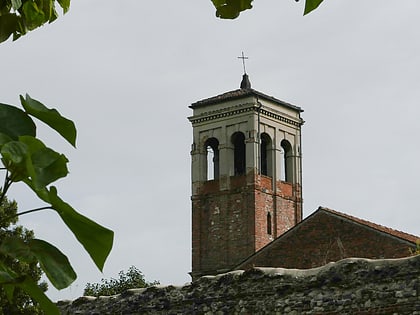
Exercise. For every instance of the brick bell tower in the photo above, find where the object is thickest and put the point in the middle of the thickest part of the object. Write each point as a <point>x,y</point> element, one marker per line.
<point>246,176</point>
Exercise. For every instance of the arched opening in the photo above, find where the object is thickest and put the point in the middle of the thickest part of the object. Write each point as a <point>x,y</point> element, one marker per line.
<point>265,155</point>
<point>238,140</point>
<point>212,157</point>
<point>287,174</point>
<point>269,231</point>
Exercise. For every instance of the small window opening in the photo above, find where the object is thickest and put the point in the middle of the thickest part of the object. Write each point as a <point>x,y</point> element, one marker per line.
<point>287,174</point>
<point>238,140</point>
<point>264,152</point>
<point>212,156</point>
<point>269,232</point>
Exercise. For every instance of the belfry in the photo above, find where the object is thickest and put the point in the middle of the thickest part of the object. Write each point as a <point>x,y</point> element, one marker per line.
<point>246,176</point>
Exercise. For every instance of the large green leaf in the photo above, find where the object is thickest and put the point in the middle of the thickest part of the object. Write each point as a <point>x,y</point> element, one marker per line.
<point>15,151</point>
<point>10,279</point>
<point>51,117</point>
<point>311,5</point>
<point>96,239</point>
<point>37,294</point>
<point>44,164</point>
<point>28,158</point>
<point>4,139</point>
<point>54,263</point>
<point>15,157</point>
<point>16,247</point>
<point>14,122</point>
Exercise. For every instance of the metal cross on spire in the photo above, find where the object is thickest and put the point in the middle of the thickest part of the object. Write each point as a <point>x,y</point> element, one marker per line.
<point>243,61</point>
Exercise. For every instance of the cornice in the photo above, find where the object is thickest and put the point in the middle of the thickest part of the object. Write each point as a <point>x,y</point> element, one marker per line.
<point>240,109</point>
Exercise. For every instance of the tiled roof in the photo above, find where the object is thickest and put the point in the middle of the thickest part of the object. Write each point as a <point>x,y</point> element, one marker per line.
<point>241,93</point>
<point>381,228</point>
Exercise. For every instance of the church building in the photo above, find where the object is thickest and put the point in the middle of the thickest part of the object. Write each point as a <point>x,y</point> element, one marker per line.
<point>247,193</point>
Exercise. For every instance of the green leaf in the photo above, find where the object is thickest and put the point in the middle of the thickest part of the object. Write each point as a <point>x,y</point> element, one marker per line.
<point>33,16</point>
<point>54,263</point>
<point>15,151</point>
<point>51,117</point>
<point>8,24</point>
<point>14,122</point>
<point>4,139</point>
<point>311,5</point>
<point>65,4</point>
<point>230,9</point>
<point>9,289</point>
<point>45,165</point>
<point>16,4</point>
<point>37,294</point>
<point>96,239</point>
<point>15,247</point>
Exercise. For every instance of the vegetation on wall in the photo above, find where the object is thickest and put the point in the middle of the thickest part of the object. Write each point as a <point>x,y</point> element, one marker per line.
<point>415,251</point>
<point>132,279</point>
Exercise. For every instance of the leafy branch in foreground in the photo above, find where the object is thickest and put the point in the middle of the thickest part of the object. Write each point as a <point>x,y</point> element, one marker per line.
<point>230,9</point>
<point>20,302</point>
<point>27,159</point>
<point>132,279</point>
<point>17,17</point>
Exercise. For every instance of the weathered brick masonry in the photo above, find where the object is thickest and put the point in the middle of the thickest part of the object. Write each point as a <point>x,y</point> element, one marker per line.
<point>328,235</point>
<point>230,225</point>
<point>350,286</point>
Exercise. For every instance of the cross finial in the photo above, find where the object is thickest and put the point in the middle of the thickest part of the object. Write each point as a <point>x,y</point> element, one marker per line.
<point>243,61</point>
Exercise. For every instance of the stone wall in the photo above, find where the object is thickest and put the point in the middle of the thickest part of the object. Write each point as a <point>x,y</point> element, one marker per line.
<point>350,286</point>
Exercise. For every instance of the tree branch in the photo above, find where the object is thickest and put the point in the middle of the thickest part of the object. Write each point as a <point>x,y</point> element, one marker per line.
<point>26,212</point>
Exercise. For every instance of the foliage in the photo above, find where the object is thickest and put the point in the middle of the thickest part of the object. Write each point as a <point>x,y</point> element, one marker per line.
<point>415,251</point>
<point>230,9</point>
<point>27,159</point>
<point>133,279</point>
<point>17,17</point>
<point>21,302</point>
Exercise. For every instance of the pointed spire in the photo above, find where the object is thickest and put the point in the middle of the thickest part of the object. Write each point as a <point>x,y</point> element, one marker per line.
<point>245,83</point>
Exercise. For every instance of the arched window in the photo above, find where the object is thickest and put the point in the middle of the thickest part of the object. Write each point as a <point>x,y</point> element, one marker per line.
<point>265,154</point>
<point>238,140</point>
<point>269,232</point>
<point>212,156</point>
<point>288,161</point>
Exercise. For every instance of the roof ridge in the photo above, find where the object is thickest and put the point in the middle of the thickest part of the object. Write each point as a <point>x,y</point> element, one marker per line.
<point>376,226</point>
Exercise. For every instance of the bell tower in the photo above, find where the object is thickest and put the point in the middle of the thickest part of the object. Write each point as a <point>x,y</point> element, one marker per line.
<point>246,176</point>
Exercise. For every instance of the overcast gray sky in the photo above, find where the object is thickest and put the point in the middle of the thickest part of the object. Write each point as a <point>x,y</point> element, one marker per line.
<point>126,71</point>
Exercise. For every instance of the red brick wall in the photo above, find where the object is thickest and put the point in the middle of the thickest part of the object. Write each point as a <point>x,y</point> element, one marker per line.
<point>325,238</point>
<point>228,226</point>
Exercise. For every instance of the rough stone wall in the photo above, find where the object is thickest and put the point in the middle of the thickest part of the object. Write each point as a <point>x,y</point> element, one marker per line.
<point>325,238</point>
<point>350,286</point>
